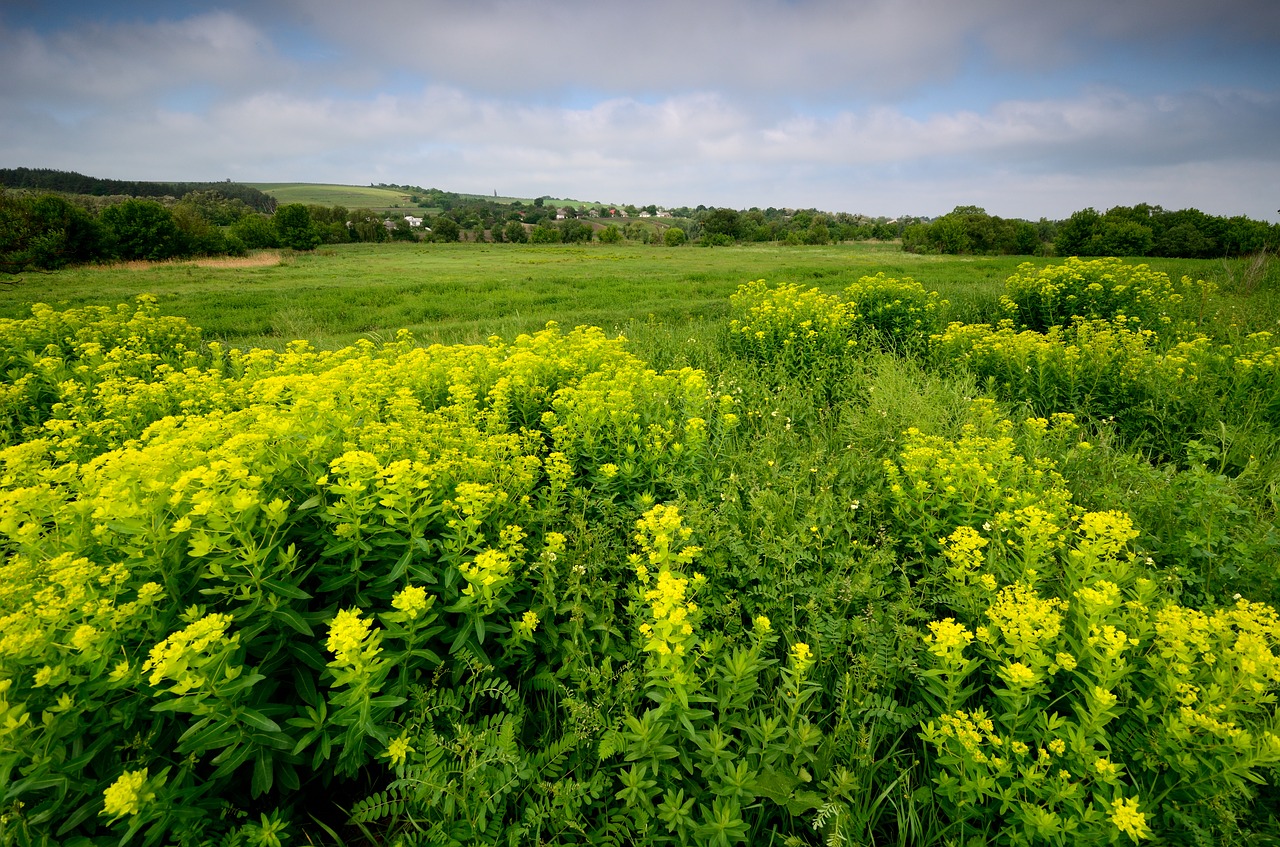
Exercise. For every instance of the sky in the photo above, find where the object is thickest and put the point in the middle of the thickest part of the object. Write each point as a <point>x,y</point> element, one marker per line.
<point>1027,108</point>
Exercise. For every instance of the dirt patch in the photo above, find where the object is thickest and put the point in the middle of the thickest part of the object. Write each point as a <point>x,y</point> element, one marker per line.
<point>263,259</point>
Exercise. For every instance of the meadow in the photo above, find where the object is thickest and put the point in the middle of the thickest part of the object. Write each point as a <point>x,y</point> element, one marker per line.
<point>823,545</point>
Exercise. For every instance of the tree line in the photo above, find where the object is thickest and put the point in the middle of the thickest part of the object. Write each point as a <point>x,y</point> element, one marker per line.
<point>1141,230</point>
<point>69,182</point>
<point>50,230</point>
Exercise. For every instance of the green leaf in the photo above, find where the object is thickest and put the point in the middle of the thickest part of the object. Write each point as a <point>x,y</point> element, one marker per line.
<point>263,776</point>
<point>285,589</point>
<point>293,620</point>
<point>257,720</point>
<point>776,785</point>
<point>805,801</point>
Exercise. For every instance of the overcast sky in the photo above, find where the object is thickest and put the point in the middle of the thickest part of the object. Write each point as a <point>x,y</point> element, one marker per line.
<point>1028,108</point>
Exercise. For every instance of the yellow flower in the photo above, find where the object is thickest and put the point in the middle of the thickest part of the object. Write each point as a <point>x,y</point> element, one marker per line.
<point>1058,746</point>
<point>347,635</point>
<point>801,656</point>
<point>528,623</point>
<point>1018,675</point>
<point>1127,819</point>
<point>127,794</point>
<point>412,600</point>
<point>948,639</point>
<point>761,624</point>
<point>399,749</point>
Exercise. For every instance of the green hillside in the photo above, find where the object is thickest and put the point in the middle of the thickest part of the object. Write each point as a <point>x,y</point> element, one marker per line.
<point>351,196</point>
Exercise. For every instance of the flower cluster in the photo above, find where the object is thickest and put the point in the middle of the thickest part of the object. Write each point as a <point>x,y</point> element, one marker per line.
<point>901,312</point>
<point>1057,295</point>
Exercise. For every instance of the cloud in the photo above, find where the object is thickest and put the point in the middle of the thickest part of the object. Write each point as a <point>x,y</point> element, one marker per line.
<point>101,67</point>
<point>806,49</point>
<point>726,103</point>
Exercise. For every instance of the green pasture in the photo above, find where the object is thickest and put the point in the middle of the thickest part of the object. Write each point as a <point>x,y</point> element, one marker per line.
<point>466,292</point>
<point>351,196</point>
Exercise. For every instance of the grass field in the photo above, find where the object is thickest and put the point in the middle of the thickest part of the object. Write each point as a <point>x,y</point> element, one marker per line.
<point>351,196</point>
<point>467,292</point>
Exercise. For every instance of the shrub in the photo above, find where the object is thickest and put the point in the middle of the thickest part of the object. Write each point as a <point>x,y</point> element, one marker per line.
<point>794,326</point>
<point>1133,296</point>
<point>294,227</point>
<point>251,559</point>
<point>900,311</point>
<point>1102,713</point>
<point>142,229</point>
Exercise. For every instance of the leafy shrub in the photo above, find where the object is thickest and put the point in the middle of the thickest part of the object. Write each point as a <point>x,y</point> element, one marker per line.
<point>1133,296</point>
<point>224,578</point>
<point>788,324</point>
<point>1103,712</point>
<point>900,311</point>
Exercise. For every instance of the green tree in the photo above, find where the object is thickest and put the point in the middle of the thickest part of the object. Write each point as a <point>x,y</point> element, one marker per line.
<point>610,234</point>
<point>1075,233</point>
<point>402,231</point>
<point>1123,237</point>
<point>64,233</point>
<point>256,232</point>
<point>142,229</point>
<point>366,226</point>
<point>572,231</point>
<point>295,228</point>
<point>445,228</point>
<point>544,235</point>
<point>515,233</point>
<point>214,207</point>
<point>674,237</point>
<point>721,222</point>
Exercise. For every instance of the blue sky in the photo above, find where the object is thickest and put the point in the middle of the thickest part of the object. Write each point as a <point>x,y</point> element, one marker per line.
<point>882,107</point>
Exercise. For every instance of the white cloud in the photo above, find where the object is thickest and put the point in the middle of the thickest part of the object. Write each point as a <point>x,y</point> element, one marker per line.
<point>502,98</point>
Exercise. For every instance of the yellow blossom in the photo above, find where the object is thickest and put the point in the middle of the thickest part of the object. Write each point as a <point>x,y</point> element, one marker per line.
<point>399,749</point>
<point>411,600</point>
<point>1127,818</point>
<point>127,794</point>
<point>527,625</point>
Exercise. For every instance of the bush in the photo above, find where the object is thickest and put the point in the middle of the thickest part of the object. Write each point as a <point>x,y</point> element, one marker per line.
<point>1079,289</point>
<point>900,311</point>
<point>256,232</point>
<point>142,229</point>
<point>332,527</point>
<point>294,227</point>
<point>674,237</point>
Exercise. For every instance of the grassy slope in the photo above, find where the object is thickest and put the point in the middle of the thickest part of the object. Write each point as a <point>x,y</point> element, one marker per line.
<point>351,196</point>
<point>367,197</point>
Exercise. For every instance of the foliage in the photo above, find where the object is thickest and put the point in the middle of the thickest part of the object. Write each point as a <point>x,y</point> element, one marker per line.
<point>278,522</point>
<point>899,311</point>
<point>546,590</point>
<point>70,182</point>
<point>1145,230</point>
<point>797,327</point>
<point>142,229</point>
<point>674,236</point>
<point>45,232</point>
<point>970,230</point>
<point>1076,289</point>
<point>294,227</point>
